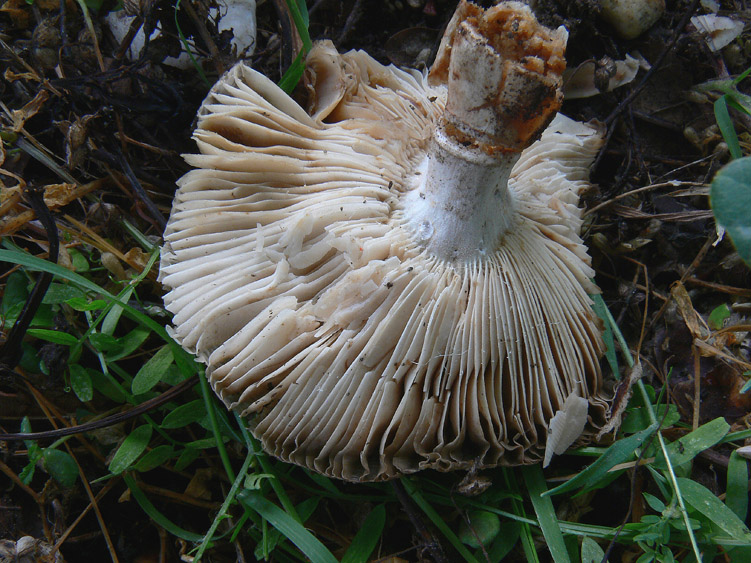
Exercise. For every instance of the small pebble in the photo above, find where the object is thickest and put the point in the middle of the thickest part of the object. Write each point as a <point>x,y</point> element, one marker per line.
<point>631,18</point>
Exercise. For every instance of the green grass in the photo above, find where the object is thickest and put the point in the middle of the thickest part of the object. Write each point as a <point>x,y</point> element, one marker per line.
<point>267,503</point>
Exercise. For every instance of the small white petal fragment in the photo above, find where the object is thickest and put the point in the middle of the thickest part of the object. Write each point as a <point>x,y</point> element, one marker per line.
<point>566,426</point>
<point>719,30</point>
<point>744,451</point>
<point>579,82</point>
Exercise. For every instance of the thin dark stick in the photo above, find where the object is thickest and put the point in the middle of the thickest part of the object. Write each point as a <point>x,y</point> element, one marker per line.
<point>430,541</point>
<point>141,193</point>
<point>11,352</point>
<point>107,421</point>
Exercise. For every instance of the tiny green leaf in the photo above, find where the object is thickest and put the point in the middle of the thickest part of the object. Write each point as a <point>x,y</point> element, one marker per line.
<point>654,503</point>
<point>80,381</point>
<point>54,336</point>
<point>718,316</point>
<point>151,372</point>
<point>132,447</point>
<point>83,304</point>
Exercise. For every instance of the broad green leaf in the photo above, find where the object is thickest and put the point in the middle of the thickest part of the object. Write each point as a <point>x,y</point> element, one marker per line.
<point>154,458</point>
<point>705,502</point>
<point>367,536</point>
<point>288,526</point>
<point>151,372</point>
<point>54,336</point>
<point>686,448</point>
<point>482,529</point>
<point>736,494</point>
<point>730,196</point>
<point>618,452</point>
<point>61,466</point>
<point>545,511</point>
<point>132,447</point>
<point>185,414</point>
<point>80,381</point>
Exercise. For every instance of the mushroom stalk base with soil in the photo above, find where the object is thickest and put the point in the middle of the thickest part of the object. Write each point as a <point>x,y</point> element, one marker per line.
<point>394,280</point>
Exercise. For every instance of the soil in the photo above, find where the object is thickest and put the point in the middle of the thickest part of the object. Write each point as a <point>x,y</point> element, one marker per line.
<point>119,127</point>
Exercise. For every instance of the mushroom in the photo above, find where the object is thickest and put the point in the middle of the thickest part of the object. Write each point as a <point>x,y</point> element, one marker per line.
<point>394,280</point>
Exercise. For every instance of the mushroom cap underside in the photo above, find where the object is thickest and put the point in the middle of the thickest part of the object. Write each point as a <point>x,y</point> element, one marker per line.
<point>293,275</point>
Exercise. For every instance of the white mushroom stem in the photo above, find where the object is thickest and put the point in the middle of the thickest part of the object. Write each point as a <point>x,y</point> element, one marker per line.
<point>503,71</point>
<point>462,206</point>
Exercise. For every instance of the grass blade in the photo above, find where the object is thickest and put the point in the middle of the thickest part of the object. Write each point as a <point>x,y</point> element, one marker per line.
<point>156,516</point>
<point>367,537</point>
<point>288,526</point>
<point>722,115</point>
<point>617,453</point>
<point>704,501</point>
<point>438,522</point>
<point>686,448</point>
<point>736,495</point>
<point>225,507</point>
<point>545,511</point>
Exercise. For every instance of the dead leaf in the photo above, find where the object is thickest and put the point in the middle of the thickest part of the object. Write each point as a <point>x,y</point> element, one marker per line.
<point>686,309</point>
<point>21,116</point>
<point>57,195</point>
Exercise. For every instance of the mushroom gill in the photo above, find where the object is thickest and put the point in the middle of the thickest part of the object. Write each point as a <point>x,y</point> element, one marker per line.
<point>383,286</point>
